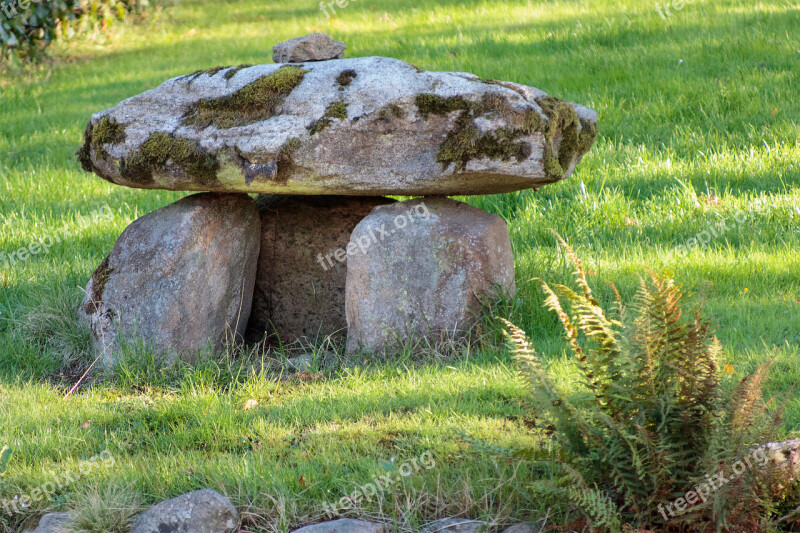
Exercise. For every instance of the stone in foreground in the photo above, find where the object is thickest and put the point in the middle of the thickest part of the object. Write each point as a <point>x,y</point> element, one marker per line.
<point>311,47</point>
<point>456,525</point>
<point>344,525</point>
<point>300,283</point>
<point>202,511</point>
<point>180,278</point>
<point>422,269</point>
<point>369,126</point>
<point>53,523</point>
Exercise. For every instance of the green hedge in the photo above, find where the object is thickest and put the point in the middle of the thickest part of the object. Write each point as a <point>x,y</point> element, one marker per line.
<point>28,27</point>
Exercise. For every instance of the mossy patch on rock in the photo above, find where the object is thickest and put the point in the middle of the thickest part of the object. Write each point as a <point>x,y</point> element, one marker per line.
<point>337,110</point>
<point>431,104</point>
<point>345,78</point>
<point>106,131</point>
<point>210,71</point>
<point>161,148</point>
<point>84,153</point>
<point>285,159</point>
<point>466,141</point>
<point>252,103</point>
<point>232,72</point>
<point>100,278</point>
<point>562,121</point>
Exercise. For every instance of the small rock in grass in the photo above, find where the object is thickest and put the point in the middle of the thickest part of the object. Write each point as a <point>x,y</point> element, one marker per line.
<point>202,511</point>
<point>53,523</point>
<point>455,525</point>
<point>344,525</point>
<point>523,528</point>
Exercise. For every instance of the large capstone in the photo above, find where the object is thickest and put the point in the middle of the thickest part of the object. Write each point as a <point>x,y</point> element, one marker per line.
<point>424,268</point>
<point>180,279</point>
<point>368,126</point>
<point>302,268</point>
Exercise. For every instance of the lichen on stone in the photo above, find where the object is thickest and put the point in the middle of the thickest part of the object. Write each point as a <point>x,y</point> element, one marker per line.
<point>345,78</point>
<point>254,102</point>
<point>337,110</point>
<point>161,148</point>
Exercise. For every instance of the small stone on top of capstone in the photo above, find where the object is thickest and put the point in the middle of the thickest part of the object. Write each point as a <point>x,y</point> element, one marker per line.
<point>311,47</point>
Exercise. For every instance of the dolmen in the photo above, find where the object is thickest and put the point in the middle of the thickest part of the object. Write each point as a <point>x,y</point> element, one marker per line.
<point>322,251</point>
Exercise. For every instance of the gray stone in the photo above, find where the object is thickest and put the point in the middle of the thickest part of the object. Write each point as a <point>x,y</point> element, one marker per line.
<point>311,47</point>
<point>784,455</point>
<point>523,528</point>
<point>421,270</point>
<point>202,511</point>
<point>370,126</point>
<point>344,525</point>
<point>455,525</point>
<point>180,278</point>
<point>53,523</point>
<point>299,293</point>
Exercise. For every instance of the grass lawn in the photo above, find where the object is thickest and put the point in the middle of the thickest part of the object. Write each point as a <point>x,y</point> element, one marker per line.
<point>699,115</point>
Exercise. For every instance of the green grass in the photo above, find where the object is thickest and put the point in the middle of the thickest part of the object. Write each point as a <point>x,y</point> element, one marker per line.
<point>698,120</point>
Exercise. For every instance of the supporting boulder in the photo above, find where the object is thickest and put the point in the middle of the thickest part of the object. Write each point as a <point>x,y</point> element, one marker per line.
<point>180,278</point>
<point>300,285</point>
<point>422,269</point>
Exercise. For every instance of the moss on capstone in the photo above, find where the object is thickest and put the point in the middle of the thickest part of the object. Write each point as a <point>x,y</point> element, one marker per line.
<point>161,148</point>
<point>562,122</point>
<point>285,159</point>
<point>337,110</point>
<point>466,141</point>
<point>84,153</point>
<point>233,70</point>
<point>432,104</point>
<point>106,131</point>
<point>391,111</point>
<point>254,102</point>
<point>345,78</point>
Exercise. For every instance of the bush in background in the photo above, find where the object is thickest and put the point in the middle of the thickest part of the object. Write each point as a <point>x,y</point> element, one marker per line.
<point>26,33</point>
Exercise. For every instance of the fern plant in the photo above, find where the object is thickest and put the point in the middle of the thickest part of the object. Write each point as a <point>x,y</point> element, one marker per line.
<point>657,426</point>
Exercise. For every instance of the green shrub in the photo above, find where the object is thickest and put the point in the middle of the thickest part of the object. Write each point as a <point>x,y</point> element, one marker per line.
<point>655,426</point>
<point>26,33</point>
